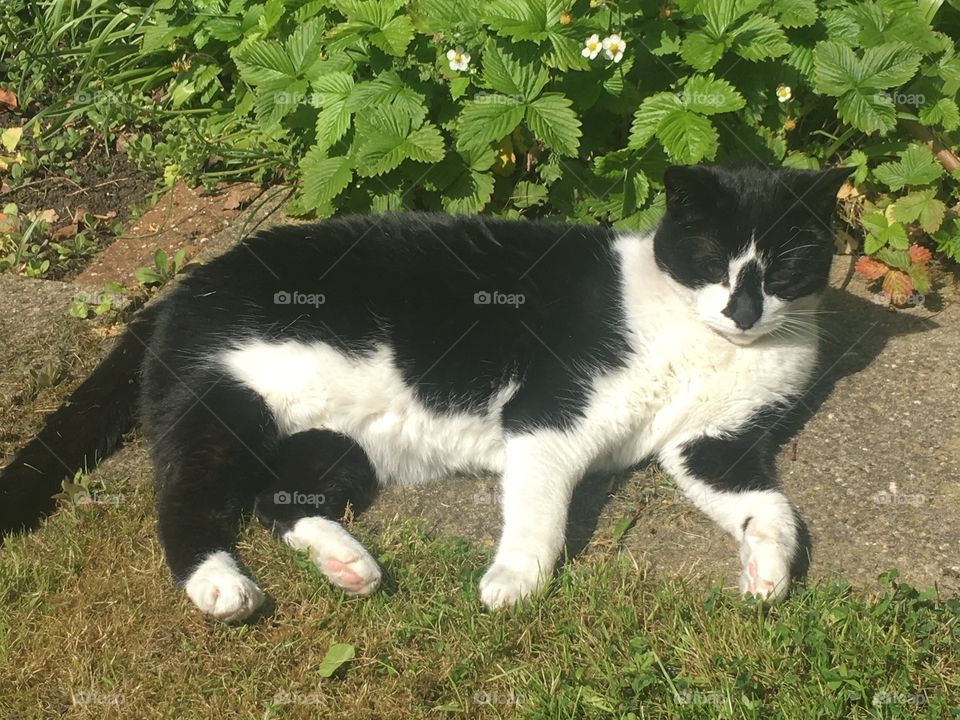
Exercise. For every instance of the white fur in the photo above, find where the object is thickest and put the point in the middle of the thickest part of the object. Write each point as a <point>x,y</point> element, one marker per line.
<point>219,589</point>
<point>336,553</point>
<point>693,374</point>
<point>317,386</point>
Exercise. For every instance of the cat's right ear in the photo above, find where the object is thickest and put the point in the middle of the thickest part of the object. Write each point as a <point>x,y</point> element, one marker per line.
<point>689,186</point>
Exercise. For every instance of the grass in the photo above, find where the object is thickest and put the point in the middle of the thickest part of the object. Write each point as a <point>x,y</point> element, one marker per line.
<point>90,627</point>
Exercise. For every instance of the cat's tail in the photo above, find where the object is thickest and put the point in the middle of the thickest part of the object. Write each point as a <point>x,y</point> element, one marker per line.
<point>80,433</point>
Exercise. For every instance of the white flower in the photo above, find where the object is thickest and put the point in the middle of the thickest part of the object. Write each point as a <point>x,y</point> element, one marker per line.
<point>613,47</point>
<point>784,93</point>
<point>459,60</point>
<point>591,47</point>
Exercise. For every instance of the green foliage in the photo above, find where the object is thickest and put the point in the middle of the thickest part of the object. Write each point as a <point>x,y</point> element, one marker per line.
<point>360,104</point>
<point>162,270</point>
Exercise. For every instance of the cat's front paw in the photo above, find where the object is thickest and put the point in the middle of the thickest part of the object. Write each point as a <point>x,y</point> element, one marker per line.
<point>504,584</point>
<point>766,570</point>
<point>218,588</point>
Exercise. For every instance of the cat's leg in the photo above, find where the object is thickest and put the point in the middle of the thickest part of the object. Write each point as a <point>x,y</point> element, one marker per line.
<point>538,480</point>
<point>210,459</point>
<point>317,474</point>
<point>733,481</point>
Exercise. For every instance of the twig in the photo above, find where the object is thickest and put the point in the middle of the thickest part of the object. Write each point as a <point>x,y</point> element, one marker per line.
<point>60,178</point>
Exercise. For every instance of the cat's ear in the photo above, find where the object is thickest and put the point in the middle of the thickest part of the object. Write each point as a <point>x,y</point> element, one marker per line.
<point>690,186</point>
<point>818,190</point>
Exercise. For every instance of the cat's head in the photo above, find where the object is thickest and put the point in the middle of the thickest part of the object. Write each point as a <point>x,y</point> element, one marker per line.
<point>751,244</point>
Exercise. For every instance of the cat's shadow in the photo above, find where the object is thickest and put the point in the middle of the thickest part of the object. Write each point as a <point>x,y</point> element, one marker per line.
<point>854,332</point>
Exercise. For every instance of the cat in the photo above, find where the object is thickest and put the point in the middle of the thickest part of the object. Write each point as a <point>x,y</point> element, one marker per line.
<point>312,363</point>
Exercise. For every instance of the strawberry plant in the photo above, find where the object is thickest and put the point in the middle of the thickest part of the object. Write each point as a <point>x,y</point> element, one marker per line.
<point>570,108</point>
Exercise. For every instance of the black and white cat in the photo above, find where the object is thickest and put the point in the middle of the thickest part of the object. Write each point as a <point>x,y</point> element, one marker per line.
<point>302,368</point>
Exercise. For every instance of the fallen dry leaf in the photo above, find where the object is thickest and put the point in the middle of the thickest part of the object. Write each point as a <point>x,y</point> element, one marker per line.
<point>8,99</point>
<point>65,233</point>
<point>240,196</point>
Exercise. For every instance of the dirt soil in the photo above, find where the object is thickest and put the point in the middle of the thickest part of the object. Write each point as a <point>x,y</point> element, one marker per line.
<point>871,456</point>
<point>107,186</point>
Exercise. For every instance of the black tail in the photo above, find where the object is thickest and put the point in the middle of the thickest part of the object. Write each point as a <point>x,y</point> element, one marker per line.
<point>82,432</point>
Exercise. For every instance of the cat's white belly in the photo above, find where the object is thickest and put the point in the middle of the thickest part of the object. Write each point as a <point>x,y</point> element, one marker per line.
<point>315,386</point>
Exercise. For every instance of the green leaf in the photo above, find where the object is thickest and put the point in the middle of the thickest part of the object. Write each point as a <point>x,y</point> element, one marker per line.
<point>394,37</point>
<point>551,119</point>
<point>888,65</point>
<point>388,90</point>
<point>835,68</point>
<point>507,75</point>
<point>387,139</point>
<point>337,655</point>
<point>867,110</point>
<point>324,177</point>
<point>795,13</point>
<point>709,95</point>
<point>700,51</point>
<point>469,195</point>
<point>264,61</point>
<point>482,122</point>
<point>523,19</point>
<point>528,194</point>
<point>916,166</point>
<point>899,259</point>
<point>882,232</point>
<point>303,45</point>
<point>760,38</point>
<point>920,205</point>
<point>687,137</point>
<point>649,115</point>
<point>331,93</point>
<point>943,113</point>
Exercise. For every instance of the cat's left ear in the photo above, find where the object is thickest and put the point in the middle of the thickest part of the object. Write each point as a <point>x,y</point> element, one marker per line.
<point>819,192</point>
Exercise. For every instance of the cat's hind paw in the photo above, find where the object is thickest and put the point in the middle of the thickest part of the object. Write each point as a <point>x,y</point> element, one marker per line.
<point>337,554</point>
<point>218,588</point>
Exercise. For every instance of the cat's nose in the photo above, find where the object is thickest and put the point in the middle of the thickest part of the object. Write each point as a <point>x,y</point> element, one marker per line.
<point>746,301</point>
<point>744,309</point>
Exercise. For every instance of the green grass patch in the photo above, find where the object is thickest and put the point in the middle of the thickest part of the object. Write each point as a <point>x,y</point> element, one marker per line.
<point>91,627</point>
